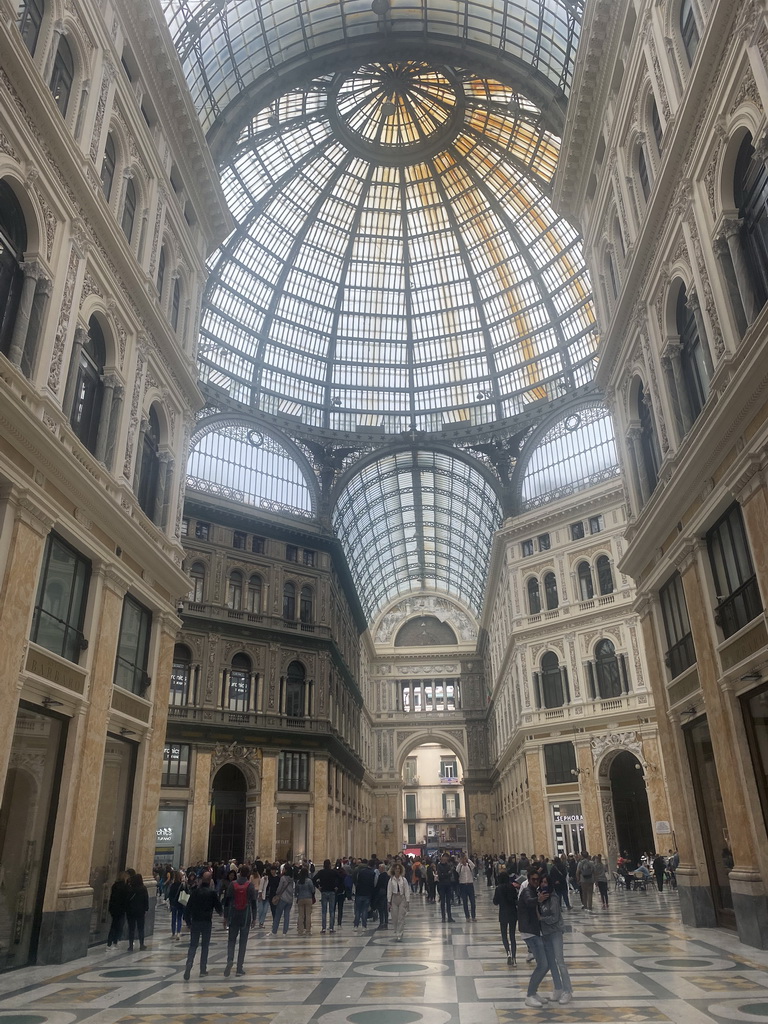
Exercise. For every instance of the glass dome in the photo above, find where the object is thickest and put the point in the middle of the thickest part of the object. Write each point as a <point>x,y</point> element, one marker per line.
<point>397,265</point>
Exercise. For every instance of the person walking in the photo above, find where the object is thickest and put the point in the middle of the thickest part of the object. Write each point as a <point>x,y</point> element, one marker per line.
<point>659,867</point>
<point>380,901</point>
<point>136,910</point>
<point>305,897</point>
<point>445,874</point>
<point>505,898</point>
<point>600,875</point>
<point>173,892</point>
<point>431,883</point>
<point>529,926</point>
<point>365,882</point>
<point>466,872</point>
<point>282,901</point>
<point>552,928</point>
<point>585,877</point>
<point>241,905</point>
<point>203,900</point>
<point>327,883</point>
<point>398,899</point>
<point>118,903</point>
<point>344,892</point>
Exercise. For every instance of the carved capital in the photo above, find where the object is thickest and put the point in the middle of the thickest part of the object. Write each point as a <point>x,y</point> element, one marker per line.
<point>730,227</point>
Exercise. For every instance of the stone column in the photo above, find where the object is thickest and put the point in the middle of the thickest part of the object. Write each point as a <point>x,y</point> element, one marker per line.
<point>731,229</point>
<point>81,337</point>
<point>537,795</point>
<point>674,351</point>
<point>118,391</point>
<point>43,294</point>
<point>199,820</point>
<point>109,382</point>
<point>318,841</point>
<point>723,254</point>
<point>148,795</point>
<point>694,305</point>
<point>589,792</point>
<point>32,274</point>
<point>165,459</point>
<point>70,922</point>
<point>29,524</point>
<point>634,444</point>
<point>143,427</point>
<point>268,823</point>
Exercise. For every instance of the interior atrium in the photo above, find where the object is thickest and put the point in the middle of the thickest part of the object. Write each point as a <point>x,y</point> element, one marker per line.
<point>382,442</point>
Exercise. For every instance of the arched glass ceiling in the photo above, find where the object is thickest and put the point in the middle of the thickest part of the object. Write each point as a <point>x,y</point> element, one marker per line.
<point>397,264</point>
<point>417,520</point>
<point>231,460</point>
<point>228,46</point>
<point>577,452</point>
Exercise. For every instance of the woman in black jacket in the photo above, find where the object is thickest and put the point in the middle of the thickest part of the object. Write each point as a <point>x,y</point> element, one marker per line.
<point>118,903</point>
<point>505,898</point>
<point>138,905</point>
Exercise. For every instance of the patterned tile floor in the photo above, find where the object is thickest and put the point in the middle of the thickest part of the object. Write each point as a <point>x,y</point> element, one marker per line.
<point>634,962</point>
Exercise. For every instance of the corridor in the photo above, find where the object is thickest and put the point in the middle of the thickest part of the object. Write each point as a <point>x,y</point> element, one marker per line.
<point>634,962</point>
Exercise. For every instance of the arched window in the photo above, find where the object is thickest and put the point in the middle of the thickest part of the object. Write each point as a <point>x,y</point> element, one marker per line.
<point>63,75</point>
<point>750,187</point>
<point>305,605</point>
<point>149,473</point>
<point>658,131</point>
<point>586,586</point>
<point>239,689</point>
<point>551,682</point>
<point>161,273</point>
<point>30,19</point>
<point>13,242</point>
<point>689,30</point>
<point>254,594</point>
<point>108,165</point>
<point>180,675</point>
<point>175,304</point>
<point>608,675</point>
<point>642,173</point>
<point>197,575</point>
<point>550,591</point>
<point>534,596</point>
<point>235,591</point>
<point>89,390</point>
<point>648,446</point>
<point>611,275</point>
<point>694,369</point>
<point>289,602</point>
<point>604,575</point>
<point>295,686</point>
<point>129,209</point>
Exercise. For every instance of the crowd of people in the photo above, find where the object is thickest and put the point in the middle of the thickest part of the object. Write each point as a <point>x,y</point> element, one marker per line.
<point>530,894</point>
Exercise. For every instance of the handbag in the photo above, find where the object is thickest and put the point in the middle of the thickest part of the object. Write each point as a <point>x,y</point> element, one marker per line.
<point>183,898</point>
<point>275,900</point>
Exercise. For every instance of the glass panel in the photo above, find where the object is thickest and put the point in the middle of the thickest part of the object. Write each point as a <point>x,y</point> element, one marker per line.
<point>133,647</point>
<point>112,824</point>
<point>26,824</point>
<point>61,599</point>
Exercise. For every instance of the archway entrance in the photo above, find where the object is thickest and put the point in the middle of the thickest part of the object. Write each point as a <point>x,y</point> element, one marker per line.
<point>630,806</point>
<point>434,810</point>
<point>227,835</point>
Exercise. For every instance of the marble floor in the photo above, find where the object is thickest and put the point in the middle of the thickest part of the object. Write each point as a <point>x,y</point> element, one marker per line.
<point>634,962</point>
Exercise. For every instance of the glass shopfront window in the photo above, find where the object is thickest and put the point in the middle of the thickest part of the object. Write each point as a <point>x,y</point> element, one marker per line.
<point>27,817</point>
<point>170,836</point>
<point>112,823</point>
<point>755,706</point>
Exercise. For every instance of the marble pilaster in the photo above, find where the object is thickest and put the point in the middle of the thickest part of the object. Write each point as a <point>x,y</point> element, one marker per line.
<point>199,817</point>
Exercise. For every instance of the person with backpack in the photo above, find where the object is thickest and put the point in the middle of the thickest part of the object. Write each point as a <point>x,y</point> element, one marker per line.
<point>505,898</point>
<point>203,900</point>
<point>241,908</point>
<point>585,877</point>
<point>601,879</point>
<point>136,910</point>
<point>305,897</point>
<point>176,905</point>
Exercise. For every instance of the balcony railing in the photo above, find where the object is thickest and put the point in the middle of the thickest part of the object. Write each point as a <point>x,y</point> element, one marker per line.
<point>215,611</point>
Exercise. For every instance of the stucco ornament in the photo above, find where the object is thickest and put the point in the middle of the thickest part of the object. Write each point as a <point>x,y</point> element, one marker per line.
<point>615,741</point>
<point>247,759</point>
<point>426,604</point>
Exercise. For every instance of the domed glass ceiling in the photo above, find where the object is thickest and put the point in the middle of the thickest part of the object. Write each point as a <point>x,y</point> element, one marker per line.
<point>397,264</point>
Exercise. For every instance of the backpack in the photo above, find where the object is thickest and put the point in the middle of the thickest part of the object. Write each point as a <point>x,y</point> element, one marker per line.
<point>240,901</point>
<point>587,870</point>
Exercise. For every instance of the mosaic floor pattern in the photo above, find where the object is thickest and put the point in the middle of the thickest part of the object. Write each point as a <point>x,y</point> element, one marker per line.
<point>634,962</point>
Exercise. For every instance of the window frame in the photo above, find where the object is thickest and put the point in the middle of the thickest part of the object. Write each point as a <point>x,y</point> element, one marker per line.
<point>138,666</point>
<point>680,654</point>
<point>71,647</point>
<point>177,778</point>
<point>63,73</point>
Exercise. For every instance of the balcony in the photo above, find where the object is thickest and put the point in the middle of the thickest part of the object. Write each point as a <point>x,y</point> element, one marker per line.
<point>219,612</point>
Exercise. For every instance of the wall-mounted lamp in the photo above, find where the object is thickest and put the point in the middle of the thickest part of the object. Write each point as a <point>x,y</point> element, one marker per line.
<point>576,772</point>
<point>648,767</point>
<point>689,711</point>
<point>49,702</point>
<point>754,674</point>
<point>127,732</point>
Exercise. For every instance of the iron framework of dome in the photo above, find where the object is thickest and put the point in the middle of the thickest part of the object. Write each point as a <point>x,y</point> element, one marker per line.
<point>397,265</point>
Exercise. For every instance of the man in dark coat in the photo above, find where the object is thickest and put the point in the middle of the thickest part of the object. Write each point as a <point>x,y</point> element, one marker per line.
<point>118,903</point>
<point>365,883</point>
<point>203,900</point>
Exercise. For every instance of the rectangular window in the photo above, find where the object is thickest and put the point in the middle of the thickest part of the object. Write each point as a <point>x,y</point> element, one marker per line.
<point>410,805</point>
<point>61,598</point>
<point>133,647</point>
<point>292,771</point>
<point>450,805</point>
<point>176,765</point>
<point>738,597</point>
<point>411,835</point>
<point>257,545</point>
<point>544,544</point>
<point>202,530</point>
<point>595,524</point>
<point>185,527</point>
<point>239,540</point>
<point>577,531</point>
<point>411,767</point>
<point>526,548</point>
<point>680,653</point>
<point>559,763</point>
<point>448,768</point>
<point>309,557</point>
<point>291,553</point>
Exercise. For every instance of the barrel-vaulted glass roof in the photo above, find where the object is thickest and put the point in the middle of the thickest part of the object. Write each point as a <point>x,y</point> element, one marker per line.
<point>418,521</point>
<point>228,47</point>
<point>397,263</point>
